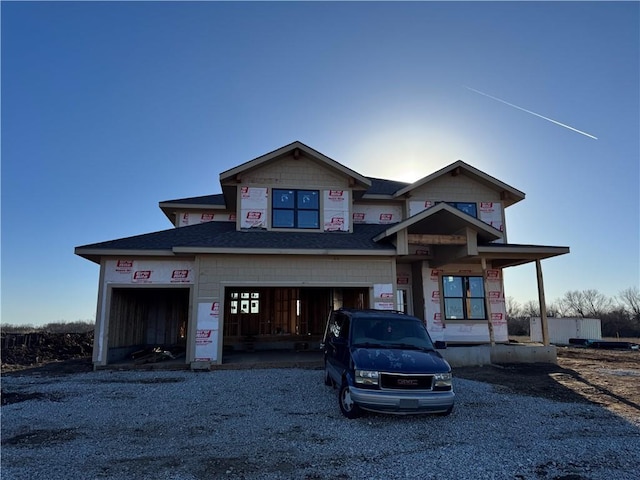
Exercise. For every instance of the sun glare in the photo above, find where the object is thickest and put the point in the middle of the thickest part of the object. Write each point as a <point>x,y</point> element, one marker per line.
<point>404,153</point>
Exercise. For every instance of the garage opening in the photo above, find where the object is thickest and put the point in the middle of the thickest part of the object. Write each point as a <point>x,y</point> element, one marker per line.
<point>282,318</point>
<point>148,321</point>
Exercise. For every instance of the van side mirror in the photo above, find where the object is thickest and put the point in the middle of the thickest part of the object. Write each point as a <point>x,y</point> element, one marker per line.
<point>440,345</point>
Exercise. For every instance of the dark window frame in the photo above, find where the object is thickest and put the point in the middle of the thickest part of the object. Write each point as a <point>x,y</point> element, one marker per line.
<point>460,292</point>
<point>296,209</point>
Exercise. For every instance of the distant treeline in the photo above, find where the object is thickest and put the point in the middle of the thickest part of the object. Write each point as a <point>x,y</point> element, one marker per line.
<point>619,315</point>
<point>56,327</point>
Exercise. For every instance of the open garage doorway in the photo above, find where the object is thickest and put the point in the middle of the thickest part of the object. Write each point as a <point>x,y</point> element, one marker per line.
<point>147,323</point>
<point>275,318</point>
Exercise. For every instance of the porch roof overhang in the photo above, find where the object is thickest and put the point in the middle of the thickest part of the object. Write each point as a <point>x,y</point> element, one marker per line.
<point>442,219</point>
<point>454,237</point>
<point>511,255</point>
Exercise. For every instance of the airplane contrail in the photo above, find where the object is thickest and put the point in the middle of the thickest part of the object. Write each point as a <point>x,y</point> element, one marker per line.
<point>532,113</point>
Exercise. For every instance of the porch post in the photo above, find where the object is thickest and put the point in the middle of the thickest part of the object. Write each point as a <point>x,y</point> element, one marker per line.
<point>487,303</point>
<point>543,304</point>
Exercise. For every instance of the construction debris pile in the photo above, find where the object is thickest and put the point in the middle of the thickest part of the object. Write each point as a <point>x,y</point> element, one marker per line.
<point>41,347</point>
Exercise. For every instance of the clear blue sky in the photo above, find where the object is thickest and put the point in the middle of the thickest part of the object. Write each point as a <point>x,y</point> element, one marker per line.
<point>109,108</point>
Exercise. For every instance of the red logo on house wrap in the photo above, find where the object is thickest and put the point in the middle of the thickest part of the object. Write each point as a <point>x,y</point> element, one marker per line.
<point>179,274</point>
<point>493,274</point>
<point>386,295</point>
<point>124,266</point>
<point>486,204</point>
<point>244,191</point>
<point>206,217</point>
<point>435,274</point>
<point>437,317</point>
<point>435,294</point>
<point>215,308</point>
<point>358,217</point>
<point>495,294</point>
<point>202,334</point>
<point>402,280</point>
<point>254,215</point>
<point>496,316</point>
<point>336,194</point>
<point>232,217</point>
<point>386,217</point>
<point>337,220</point>
<point>142,275</point>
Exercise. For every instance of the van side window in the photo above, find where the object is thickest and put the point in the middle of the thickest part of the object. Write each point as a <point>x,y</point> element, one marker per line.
<point>339,326</point>
<point>344,328</point>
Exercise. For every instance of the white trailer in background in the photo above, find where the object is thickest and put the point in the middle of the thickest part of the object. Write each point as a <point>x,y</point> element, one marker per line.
<point>562,329</point>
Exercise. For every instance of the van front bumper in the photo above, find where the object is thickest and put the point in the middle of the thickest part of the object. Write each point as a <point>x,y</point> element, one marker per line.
<point>402,402</point>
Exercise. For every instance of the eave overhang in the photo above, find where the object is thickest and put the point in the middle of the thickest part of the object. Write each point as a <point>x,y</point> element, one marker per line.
<point>203,203</point>
<point>511,255</point>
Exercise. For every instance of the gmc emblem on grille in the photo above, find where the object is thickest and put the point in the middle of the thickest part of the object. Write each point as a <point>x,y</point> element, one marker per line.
<point>412,382</point>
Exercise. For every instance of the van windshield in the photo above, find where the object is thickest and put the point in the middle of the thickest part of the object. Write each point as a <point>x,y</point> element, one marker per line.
<point>390,333</point>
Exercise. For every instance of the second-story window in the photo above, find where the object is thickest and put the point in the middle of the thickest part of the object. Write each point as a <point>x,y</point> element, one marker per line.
<point>295,209</point>
<point>469,208</point>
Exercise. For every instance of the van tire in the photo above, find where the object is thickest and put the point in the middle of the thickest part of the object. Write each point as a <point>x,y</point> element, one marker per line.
<point>347,406</point>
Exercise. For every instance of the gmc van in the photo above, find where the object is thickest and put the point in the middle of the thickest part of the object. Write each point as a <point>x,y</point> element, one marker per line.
<point>384,361</point>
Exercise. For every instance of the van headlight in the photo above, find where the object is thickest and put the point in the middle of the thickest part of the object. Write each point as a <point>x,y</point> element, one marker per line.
<point>442,380</point>
<point>367,377</point>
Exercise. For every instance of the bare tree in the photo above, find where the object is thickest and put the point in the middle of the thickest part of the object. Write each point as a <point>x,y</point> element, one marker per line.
<point>513,308</point>
<point>630,300</point>
<point>531,309</point>
<point>597,304</point>
<point>586,303</point>
<point>573,304</point>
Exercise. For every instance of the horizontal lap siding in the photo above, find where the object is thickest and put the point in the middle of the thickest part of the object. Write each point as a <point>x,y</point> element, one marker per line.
<point>455,189</point>
<point>287,271</point>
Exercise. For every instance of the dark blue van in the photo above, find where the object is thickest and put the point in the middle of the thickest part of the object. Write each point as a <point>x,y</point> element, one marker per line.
<point>385,361</point>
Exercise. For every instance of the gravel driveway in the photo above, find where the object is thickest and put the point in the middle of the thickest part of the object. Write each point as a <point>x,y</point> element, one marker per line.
<point>284,423</point>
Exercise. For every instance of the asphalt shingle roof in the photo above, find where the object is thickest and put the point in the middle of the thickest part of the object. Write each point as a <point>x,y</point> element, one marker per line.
<point>380,186</point>
<point>225,235</point>
<point>216,199</point>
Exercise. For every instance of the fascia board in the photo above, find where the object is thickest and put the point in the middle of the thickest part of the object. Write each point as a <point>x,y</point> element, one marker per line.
<point>282,251</point>
<point>542,251</point>
<point>191,206</point>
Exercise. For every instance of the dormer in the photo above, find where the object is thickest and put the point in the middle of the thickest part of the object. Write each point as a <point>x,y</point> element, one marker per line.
<point>465,188</point>
<point>293,188</point>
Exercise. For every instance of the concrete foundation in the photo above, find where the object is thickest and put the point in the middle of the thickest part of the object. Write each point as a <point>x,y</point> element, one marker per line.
<point>474,356</point>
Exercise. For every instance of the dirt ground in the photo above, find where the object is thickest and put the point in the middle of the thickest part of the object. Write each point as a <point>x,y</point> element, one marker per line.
<point>610,378</point>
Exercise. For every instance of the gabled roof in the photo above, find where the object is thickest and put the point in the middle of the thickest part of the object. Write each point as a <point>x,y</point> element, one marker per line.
<point>222,237</point>
<point>294,148</point>
<point>443,219</point>
<point>508,194</point>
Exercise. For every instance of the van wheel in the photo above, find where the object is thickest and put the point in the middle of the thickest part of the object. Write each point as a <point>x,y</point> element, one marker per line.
<point>347,406</point>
